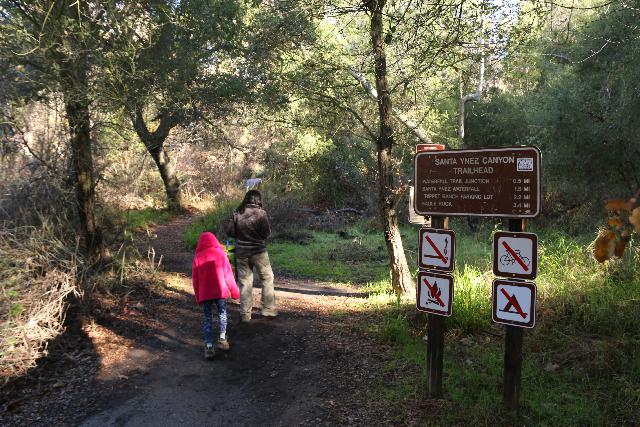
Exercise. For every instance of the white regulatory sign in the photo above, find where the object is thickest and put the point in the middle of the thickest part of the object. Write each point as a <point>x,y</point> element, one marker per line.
<point>515,254</point>
<point>435,293</point>
<point>436,249</point>
<point>513,303</point>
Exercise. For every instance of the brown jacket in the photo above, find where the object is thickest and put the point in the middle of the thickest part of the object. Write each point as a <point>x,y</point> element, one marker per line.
<point>251,229</point>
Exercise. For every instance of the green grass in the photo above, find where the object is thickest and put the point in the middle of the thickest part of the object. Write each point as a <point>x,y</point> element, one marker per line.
<point>588,323</point>
<point>358,258</point>
<point>132,221</point>
<point>212,221</point>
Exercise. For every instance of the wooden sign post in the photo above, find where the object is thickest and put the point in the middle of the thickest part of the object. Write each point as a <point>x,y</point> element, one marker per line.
<point>513,301</point>
<point>435,338</point>
<point>512,352</point>
<point>436,322</point>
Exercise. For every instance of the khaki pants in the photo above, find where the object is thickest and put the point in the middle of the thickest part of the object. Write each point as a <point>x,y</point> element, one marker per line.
<point>245,281</point>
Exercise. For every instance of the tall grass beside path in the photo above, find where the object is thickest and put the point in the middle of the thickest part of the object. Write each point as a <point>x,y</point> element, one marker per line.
<point>581,361</point>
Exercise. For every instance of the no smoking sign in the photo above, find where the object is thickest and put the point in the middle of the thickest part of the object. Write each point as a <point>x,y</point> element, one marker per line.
<point>515,254</point>
<point>436,249</point>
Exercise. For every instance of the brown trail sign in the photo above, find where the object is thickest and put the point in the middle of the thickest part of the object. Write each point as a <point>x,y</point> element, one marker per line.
<point>481,182</point>
<point>499,182</point>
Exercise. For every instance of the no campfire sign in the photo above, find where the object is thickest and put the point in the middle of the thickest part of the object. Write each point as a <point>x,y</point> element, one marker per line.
<point>515,254</point>
<point>513,303</point>
<point>436,249</point>
<point>435,293</point>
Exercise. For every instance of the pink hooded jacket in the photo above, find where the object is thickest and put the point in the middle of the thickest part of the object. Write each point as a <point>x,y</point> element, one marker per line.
<point>212,275</point>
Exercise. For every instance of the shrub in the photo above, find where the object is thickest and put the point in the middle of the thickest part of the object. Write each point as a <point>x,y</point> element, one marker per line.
<point>330,172</point>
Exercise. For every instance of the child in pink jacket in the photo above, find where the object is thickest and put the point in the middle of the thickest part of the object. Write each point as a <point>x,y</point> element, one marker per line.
<point>213,283</point>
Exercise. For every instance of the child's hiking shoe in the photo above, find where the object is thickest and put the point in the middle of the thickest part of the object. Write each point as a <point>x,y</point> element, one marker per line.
<point>223,345</point>
<point>209,351</point>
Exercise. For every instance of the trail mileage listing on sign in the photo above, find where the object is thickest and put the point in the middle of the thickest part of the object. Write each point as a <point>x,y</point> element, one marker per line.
<point>480,182</point>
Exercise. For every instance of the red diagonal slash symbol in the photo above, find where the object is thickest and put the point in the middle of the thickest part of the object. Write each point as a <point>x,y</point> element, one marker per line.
<point>514,302</point>
<point>435,248</point>
<point>434,292</point>
<point>515,255</point>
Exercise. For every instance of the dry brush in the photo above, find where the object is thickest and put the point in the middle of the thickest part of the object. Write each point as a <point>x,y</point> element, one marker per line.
<point>38,272</point>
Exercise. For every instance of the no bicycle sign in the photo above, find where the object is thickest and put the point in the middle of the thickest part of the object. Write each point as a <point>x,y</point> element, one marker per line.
<point>515,254</point>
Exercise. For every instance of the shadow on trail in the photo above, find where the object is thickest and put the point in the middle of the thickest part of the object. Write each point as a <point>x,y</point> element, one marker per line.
<point>323,292</point>
<point>276,372</point>
<point>55,391</point>
<point>183,293</point>
<point>147,367</point>
<point>272,372</point>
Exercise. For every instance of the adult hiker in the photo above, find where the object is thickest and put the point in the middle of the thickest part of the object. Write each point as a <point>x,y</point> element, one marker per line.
<point>213,283</point>
<point>250,227</point>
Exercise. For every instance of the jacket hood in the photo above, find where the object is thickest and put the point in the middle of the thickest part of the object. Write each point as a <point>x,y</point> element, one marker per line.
<point>207,240</point>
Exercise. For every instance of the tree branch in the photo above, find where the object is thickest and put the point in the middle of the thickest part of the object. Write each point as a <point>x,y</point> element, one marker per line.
<point>475,96</point>
<point>402,118</point>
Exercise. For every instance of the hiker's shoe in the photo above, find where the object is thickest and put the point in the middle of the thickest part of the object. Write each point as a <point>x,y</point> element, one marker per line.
<point>270,313</point>
<point>222,345</point>
<point>209,351</point>
<point>245,318</point>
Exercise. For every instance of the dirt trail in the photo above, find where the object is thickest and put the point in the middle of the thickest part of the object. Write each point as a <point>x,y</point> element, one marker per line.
<point>289,371</point>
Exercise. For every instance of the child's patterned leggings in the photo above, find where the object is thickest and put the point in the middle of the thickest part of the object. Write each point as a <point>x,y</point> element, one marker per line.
<point>208,318</point>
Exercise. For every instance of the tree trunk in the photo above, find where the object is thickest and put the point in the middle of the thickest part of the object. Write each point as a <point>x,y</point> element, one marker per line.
<point>475,96</point>
<point>400,276</point>
<point>77,109</point>
<point>154,142</point>
<point>169,177</point>
<point>462,103</point>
